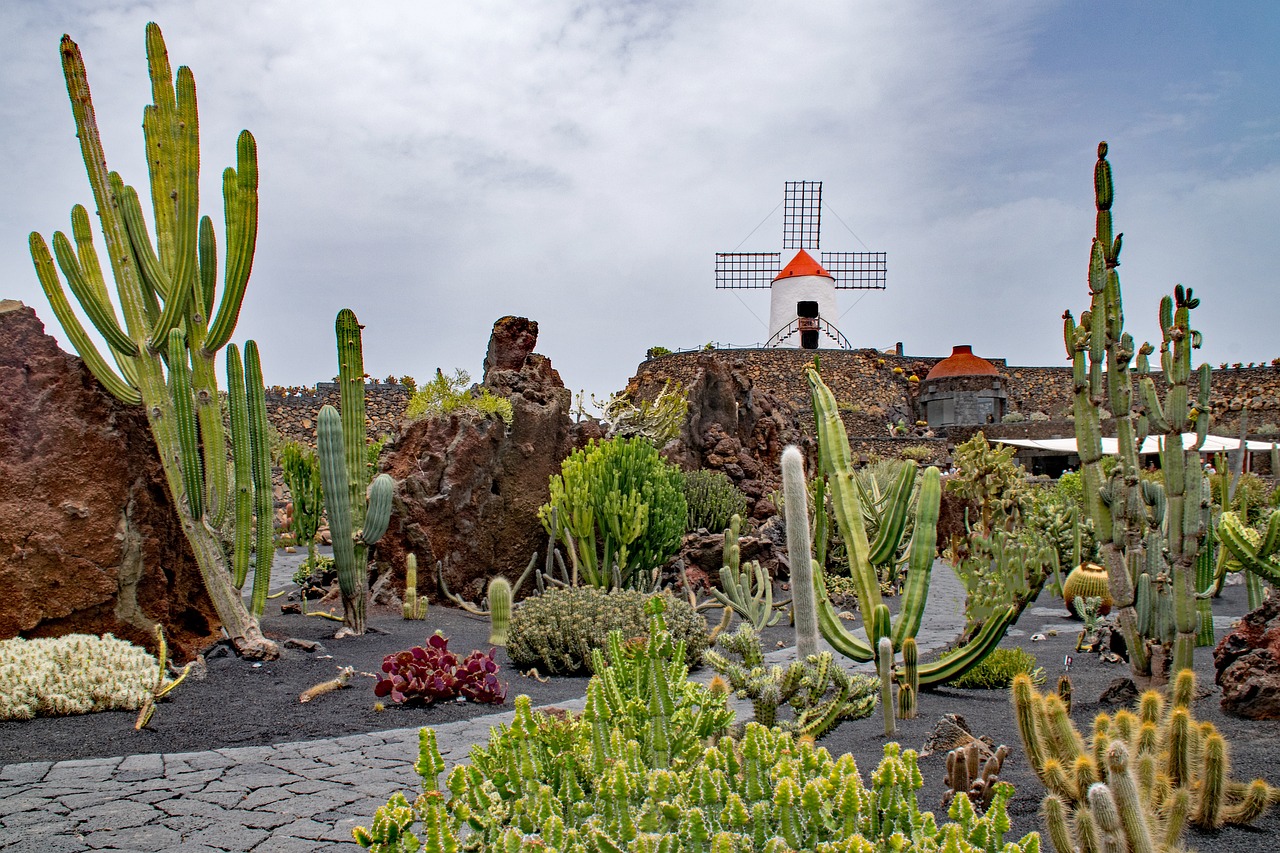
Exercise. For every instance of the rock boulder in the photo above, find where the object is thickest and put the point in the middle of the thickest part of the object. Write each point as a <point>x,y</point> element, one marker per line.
<point>89,542</point>
<point>1248,664</point>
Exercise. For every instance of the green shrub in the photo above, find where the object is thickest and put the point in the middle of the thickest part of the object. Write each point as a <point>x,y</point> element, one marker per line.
<point>997,670</point>
<point>447,395</point>
<point>74,674</point>
<point>1013,418</point>
<point>713,500</point>
<point>557,631</point>
<point>617,501</point>
<point>917,452</point>
<point>657,421</point>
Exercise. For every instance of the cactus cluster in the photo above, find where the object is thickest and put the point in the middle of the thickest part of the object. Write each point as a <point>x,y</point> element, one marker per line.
<point>76,674</point>
<point>1141,777</point>
<point>747,591</point>
<point>300,470</point>
<point>558,630</point>
<point>648,767</point>
<point>713,500</point>
<point>359,510</point>
<point>973,771</point>
<point>820,694</point>
<point>174,320</point>
<point>414,606</point>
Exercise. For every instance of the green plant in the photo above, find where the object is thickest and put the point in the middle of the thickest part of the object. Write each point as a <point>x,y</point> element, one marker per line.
<point>917,452</point>
<point>1182,769</point>
<point>448,395</point>
<point>746,591</point>
<point>713,500</point>
<point>557,631</point>
<point>998,669</point>
<point>970,776</point>
<point>499,610</point>
<point>76,674</point>
<point>656,352</point>
<point>820,694</point>
<point>657,421</point>
<point>620,512</point>
<point>173,330</point>
<point>414,606</point>
<point>1013,418</point>
<point>300,469</point>
<point>644,769</point>
<point>1137,539</point>
<point>358,510</point>
<point>431,673</point>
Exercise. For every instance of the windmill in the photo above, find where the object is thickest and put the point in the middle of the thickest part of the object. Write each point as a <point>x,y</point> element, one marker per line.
<point>803,294</point>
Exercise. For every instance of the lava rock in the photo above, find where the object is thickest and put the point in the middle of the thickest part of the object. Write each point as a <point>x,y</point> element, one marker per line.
<point>1248,664</point>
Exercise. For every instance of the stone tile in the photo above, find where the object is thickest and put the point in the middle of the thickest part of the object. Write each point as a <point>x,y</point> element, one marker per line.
<point>188,806</point>
<point>52,843</point>
<point>27,803</point>
<point>152,838</point>
<point>263,796</point>
<point>285,844</point>
<point>32,771</point>
<point>305,828</point>
<point>120,814</point>
<point>229,836</point>
<point>149,764</point>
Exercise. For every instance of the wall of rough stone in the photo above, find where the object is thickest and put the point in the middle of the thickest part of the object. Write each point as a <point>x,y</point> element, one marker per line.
<point>293,411</point>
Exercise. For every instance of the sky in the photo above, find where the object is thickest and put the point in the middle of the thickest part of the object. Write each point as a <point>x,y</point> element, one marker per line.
<point>435,166</point>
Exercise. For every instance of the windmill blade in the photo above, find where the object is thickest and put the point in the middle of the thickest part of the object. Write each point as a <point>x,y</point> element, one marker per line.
<point>802,215</point>
<point>746,270</point>
<point>856,270</point>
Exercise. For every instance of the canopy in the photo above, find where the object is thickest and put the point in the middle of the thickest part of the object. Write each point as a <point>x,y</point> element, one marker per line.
<point>1212,444</point>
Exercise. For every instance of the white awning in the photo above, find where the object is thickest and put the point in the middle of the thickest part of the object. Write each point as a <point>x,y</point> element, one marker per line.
<point>1062,446</point>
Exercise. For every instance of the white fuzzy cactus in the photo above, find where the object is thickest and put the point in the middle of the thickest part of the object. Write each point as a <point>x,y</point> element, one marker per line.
<point>75,674</point>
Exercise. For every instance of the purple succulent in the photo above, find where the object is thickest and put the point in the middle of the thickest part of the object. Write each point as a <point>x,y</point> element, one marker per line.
<point>425,674</point>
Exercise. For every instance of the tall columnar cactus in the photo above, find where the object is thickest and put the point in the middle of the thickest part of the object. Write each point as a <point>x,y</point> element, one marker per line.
<point>300,469</point>
<point>835,460</point>
<point>164,286</point>
<point>884,668</point>
<point>909,684</point>
<point>499,610</point>
<point>358,510</point>
<point>1121,509</point>
<point>747,591</point>
<point>803,605</point>
<point>415,606</point>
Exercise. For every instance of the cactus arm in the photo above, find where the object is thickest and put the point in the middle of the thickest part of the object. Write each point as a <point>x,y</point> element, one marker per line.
<point>259,447</point>
<point>351,388</point>
<point>97,308</point>
<point>154,277</point>
<point>381,490</point>
<point>1231,535</point>
<point>240,203</point>
<point>894,520</point>
<point>208,265</point>
<point>829,625</point>
<point>185,418</point>
<point>924,543</point>
<point>84,345</point>
<point>972,654</point>
<point>237,403</point>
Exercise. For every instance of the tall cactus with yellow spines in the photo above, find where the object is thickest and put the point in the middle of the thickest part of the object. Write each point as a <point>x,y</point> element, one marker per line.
<point>164,287</point>
<point>1131,528</point>
<point>359,510</point>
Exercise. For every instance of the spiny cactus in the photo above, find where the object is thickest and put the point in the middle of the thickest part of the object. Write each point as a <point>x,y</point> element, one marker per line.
<point>1182,772</point>
<point>174,324</point>
<point>355,521</point>
<point>499,610</point>
<point>884,668</point>
<point>799,554</point>
<point>747,591</point>
<point>300,469</point>
<point>415,606</point>
<point>909,683</point>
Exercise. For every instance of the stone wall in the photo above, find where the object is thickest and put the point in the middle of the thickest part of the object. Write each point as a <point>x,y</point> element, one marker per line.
<point>293,411</point>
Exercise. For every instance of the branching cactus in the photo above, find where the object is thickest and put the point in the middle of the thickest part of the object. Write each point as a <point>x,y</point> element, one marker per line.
<point>1135,525</point>
<point>358,510</point>
<point>174,320</point>
<point>415,606</point>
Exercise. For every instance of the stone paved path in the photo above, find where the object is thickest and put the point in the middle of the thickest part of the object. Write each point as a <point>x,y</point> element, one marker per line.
<point>285,798</point>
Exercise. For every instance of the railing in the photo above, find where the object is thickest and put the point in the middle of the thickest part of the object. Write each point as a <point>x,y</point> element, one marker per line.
<point>808,324</point>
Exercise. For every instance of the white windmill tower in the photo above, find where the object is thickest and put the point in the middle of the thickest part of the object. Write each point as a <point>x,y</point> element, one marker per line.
<point>803,308</point>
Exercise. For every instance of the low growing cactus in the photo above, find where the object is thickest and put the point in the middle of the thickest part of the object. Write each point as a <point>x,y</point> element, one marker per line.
<point>430,673</point>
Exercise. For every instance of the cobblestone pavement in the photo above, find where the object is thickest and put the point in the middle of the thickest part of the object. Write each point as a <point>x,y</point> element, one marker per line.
<point>285,798</point>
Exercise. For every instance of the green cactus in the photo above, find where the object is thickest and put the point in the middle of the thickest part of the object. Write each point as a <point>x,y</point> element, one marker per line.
<point>909,686</point>
<point>1125,510</point>
<point>300,470</point>
<point>414,606</point>
<point>1182,769</point>
<point>355,522</point>
<point>499,610</point>
<point>747,592</point>
<point>884,668</point>
<point>171,375</point>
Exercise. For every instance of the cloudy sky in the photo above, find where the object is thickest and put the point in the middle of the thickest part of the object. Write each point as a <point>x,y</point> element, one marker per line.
<point>434,166</point>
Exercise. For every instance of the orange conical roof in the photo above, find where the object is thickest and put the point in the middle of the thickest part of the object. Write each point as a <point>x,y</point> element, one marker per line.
<point>962,362</point>
<point>802,264</point>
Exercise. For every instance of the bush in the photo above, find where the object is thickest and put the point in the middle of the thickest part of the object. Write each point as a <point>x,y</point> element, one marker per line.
<point>425,674</point>
<point>617,501</point>
<point>997,671</point>
<point>557,631</point>
<point>1013,418</point>
<point>75,674</point>
<point>713,500</point>
<point>446,395</point>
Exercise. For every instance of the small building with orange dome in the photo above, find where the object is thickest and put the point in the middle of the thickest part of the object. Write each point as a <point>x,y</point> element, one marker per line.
<point>963,390</point>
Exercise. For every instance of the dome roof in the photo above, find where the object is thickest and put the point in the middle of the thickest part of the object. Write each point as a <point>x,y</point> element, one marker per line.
<point>962,362</point>
<point>801,265</point>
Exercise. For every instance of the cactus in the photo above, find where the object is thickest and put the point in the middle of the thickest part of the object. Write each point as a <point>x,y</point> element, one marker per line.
<point>747,592</point>
<point>1181,769</point>
<point>300,469</point>
<point>499,610</point>
<point>415,606</point>
<point>884,668</point>
<point>909,687</point>
<point>1124,510</point>
<point>173,326</point>
<point>356,523</point>
<point>803,606</point>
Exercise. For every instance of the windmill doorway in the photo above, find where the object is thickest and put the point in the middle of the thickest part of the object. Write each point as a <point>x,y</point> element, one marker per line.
<point>807,310</point>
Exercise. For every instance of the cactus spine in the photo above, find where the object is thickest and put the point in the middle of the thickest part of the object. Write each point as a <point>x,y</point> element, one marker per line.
<point>341,441</point>
<point>159,294</point>
<point>803,607</point>
<point>499,610</point>
<point>415,606</point>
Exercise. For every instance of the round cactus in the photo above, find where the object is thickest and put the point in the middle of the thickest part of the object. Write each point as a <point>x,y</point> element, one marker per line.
<point>1087,580</point>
